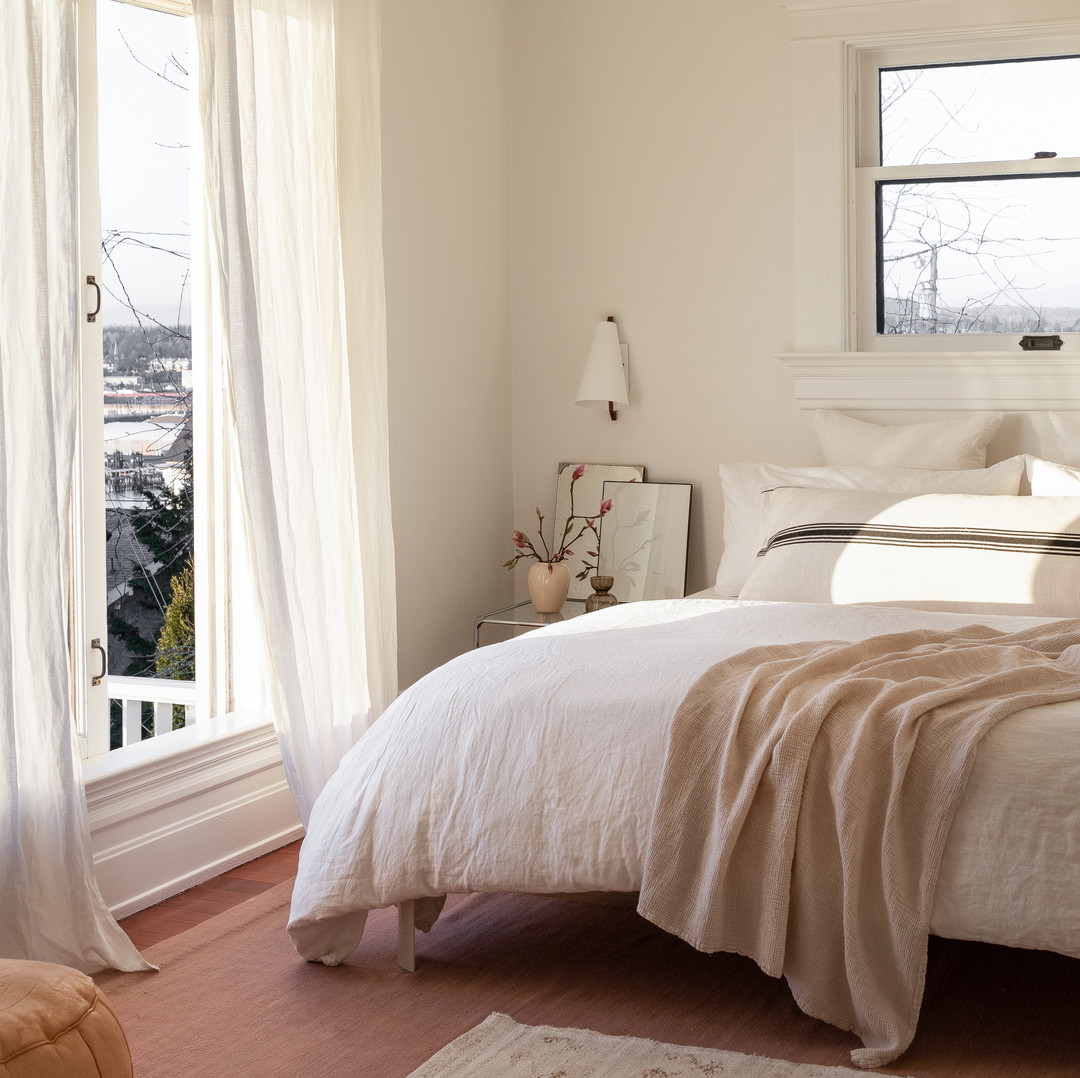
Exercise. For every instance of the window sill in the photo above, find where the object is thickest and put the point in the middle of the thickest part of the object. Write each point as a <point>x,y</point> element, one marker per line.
<point>165,770</point>
<point>238,728</point>
<point>936,381</point>
<point>175,810</point>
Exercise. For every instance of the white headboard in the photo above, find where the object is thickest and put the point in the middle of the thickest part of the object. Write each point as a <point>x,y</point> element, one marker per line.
<point>906,387</point>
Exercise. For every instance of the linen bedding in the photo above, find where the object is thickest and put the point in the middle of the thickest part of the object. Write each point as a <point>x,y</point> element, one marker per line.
<point>534,766</point>
<point>807,796</point>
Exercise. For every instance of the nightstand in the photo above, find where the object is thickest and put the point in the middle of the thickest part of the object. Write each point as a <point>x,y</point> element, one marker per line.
<point>524,616</point>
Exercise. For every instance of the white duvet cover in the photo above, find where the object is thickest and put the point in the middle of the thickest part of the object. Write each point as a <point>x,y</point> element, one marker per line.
<point>533,765</point>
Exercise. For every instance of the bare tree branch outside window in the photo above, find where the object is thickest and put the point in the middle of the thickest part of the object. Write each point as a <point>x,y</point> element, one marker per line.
<point>999,254</point>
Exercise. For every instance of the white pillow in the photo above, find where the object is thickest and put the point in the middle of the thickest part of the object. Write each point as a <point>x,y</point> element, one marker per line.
<point>1047,478</point>
<point>944,443</point>
<point>744,506</point>
<point>1068,432</point>
<point>960,552</point>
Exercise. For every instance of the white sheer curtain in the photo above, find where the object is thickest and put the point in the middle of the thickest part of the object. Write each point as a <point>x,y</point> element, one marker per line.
<point>50,907</point>
<point>288,98</point>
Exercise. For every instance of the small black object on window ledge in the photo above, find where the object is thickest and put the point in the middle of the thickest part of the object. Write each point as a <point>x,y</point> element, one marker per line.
<point>1044,343</point>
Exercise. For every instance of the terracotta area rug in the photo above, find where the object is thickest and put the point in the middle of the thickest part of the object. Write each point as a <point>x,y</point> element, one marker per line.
<point>501,1048</point>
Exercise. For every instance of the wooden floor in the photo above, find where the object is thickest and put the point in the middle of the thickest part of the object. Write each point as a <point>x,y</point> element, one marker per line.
<point>990,1012</point>
<point>186,910</point>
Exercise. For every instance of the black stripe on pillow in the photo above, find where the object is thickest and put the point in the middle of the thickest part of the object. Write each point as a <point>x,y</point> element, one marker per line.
<point>1027,542</point>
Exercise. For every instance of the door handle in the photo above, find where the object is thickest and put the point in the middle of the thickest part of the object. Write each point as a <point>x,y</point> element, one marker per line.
<point>92,281</point>
<point>95,645</point>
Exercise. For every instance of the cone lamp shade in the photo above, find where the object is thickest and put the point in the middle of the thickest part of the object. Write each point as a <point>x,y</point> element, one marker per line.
<point>603,382</point>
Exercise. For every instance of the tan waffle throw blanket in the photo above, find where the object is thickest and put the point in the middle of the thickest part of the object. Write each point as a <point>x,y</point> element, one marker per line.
<point>806,798</point>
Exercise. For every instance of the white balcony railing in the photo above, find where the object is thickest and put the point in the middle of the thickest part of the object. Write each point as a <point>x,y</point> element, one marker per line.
<point>132,693</point>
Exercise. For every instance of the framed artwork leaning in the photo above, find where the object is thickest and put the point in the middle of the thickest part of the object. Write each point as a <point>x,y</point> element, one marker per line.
<point>644,538</point>
<point>588,494</point>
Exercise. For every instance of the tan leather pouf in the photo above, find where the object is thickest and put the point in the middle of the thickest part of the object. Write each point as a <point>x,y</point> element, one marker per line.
<point>55,1023</point>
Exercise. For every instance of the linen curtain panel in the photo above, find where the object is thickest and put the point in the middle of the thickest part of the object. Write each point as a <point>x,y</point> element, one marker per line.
<point>50,906</point>
<point>289,108</point>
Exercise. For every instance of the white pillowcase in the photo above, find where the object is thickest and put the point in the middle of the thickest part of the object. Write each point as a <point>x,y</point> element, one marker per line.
<point>744,504</point>
<point>1068,432</point>
<point>959,552</point>
<point>1057,480</point>
<point>944,443</point>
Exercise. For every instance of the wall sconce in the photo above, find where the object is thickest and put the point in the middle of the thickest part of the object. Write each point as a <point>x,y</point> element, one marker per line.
<point>605,378</point>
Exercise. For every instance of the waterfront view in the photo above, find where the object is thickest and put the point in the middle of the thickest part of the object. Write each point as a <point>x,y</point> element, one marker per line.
<point>148,495</point>
<point>145,196</point>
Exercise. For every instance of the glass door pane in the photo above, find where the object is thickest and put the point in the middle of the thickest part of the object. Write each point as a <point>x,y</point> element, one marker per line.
<point>145,194</point>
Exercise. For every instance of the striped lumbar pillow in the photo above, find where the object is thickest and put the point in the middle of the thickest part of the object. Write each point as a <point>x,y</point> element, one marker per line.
<point>967,553</point>
<point>744,505</point>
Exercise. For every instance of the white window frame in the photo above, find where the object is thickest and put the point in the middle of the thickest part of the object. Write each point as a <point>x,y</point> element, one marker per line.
<point>830,38</point>
<point>868,172</point>
<point>214,690</point>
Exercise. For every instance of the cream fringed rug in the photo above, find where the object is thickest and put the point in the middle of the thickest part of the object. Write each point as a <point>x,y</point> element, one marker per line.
<point>501,1048</point>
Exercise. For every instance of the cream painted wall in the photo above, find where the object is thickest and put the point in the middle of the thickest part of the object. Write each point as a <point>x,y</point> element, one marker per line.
<point>545,165</point>
<point>653,181</point>
<point>446,176</point>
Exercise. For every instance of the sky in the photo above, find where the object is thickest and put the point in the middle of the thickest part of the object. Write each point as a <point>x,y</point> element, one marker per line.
<point>145,178</point>
<point>984,112</point>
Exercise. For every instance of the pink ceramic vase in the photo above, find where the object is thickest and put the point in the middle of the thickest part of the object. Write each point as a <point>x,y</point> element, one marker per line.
<point>548,584</point>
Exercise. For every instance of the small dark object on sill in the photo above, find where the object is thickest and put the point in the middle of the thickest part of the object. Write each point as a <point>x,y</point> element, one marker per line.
<point>1046,343</point>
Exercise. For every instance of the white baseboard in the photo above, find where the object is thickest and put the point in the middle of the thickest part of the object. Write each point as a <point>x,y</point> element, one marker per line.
<point>166,822</point>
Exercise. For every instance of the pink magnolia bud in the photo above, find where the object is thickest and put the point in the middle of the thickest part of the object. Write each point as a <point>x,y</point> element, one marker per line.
<point>579,471</point>
<point>605,507</point>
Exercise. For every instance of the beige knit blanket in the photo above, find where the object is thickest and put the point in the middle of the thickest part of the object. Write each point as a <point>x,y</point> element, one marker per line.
<point>807,796</point>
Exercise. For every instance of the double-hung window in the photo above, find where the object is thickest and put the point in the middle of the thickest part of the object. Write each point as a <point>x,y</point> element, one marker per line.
<point>967,196</point>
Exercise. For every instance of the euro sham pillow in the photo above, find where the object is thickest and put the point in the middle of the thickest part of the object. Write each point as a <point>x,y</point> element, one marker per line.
<point>944,443</point>
<point>1068,432</point>
<point>744,504</point>
<point>965,553</point>
<point>1047,478</point>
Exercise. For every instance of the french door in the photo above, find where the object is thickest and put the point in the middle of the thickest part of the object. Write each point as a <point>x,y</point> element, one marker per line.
<point>133,498</point>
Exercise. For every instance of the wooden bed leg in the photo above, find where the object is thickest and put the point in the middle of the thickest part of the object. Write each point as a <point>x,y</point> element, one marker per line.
<point>406,936</point>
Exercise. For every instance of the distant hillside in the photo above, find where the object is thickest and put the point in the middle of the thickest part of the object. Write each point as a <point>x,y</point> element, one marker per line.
<point>913,316</point>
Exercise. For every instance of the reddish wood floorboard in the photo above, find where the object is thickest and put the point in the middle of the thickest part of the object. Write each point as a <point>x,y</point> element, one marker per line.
<point>184,911</point>
<point>1010,1011</point>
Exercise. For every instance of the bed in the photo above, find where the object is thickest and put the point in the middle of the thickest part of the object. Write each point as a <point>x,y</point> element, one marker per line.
<point>534,765</point>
